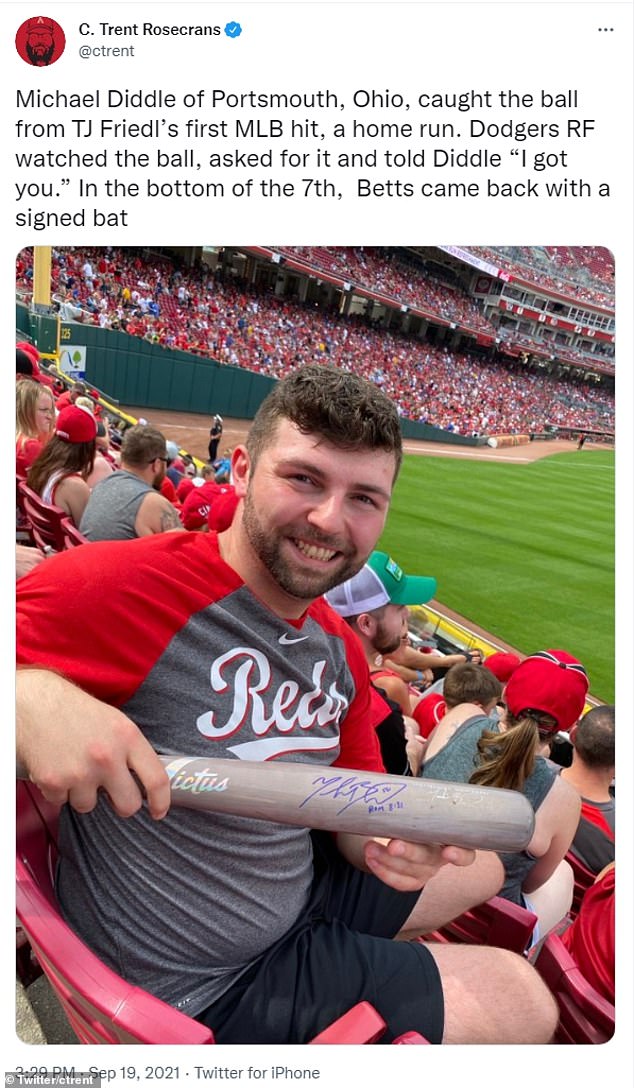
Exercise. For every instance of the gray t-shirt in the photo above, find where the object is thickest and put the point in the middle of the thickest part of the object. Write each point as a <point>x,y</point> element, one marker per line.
<point>113,506</point>
<point>182,906</point>
<point>457,761</point>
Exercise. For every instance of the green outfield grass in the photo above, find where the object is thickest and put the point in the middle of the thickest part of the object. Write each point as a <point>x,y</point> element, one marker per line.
<point>525,551</point>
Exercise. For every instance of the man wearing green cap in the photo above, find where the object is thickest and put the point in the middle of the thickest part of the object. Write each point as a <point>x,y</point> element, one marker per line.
<point>223,645</point>
<point>375,605</point>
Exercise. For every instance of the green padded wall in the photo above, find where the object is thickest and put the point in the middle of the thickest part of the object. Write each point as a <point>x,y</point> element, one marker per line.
<point>135,372</point>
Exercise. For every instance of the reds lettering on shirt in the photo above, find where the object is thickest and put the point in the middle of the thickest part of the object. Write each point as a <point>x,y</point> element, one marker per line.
<point>246,672</point>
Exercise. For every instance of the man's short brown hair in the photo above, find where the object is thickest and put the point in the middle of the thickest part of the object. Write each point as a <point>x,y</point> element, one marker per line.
<point>593,738</point>
<point>342,408</point>
<point>142,444</point>
<point>470,683</point>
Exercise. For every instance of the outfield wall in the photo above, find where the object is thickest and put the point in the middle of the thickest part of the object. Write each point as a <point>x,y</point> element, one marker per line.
<point>133,371</point>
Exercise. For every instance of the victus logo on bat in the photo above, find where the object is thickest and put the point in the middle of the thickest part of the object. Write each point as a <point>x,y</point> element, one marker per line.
<point>40,41</point>
<point>183,777</point>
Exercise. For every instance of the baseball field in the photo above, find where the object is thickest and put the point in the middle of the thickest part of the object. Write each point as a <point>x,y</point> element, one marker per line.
<point>524,549</point>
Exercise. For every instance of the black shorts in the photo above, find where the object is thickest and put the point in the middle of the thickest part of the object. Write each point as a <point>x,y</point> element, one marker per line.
<point>338,953</point>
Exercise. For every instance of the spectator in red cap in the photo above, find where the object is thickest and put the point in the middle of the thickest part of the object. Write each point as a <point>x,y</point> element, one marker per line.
<point>34,422</point>
<point>59,474</point>
<point>548,687</point>
<point>222,509</point>
<point>27,363</point>
<point>502,665</point>
<point>28,349</point>
<point>545,694</point>
<point>200,499</point>
<point>191,479</point>
<point>24,366</point>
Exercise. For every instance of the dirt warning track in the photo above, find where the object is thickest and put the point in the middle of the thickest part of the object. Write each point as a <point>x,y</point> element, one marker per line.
<point>191,432</point>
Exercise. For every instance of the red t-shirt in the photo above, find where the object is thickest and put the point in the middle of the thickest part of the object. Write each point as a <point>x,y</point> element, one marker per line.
<point>26,452</point>
<point>267,700</point>
<point>590,938</point>
<point>428,712</point>
<point>162,628</point>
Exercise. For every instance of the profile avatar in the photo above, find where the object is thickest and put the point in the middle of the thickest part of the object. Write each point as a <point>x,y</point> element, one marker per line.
<point>40,41</point>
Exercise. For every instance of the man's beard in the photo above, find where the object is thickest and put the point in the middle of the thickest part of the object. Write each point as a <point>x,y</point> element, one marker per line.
<point>302,584</point>
<point>384,642</point>
<point>39,55</point>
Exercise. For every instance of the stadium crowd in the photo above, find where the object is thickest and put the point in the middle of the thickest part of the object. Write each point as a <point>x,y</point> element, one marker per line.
<point>379,271</point>
<point>582,273</point>
<point>192,310</point>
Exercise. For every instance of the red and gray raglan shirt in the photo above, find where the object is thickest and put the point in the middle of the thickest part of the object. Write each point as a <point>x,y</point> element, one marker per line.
<point>163,629</point>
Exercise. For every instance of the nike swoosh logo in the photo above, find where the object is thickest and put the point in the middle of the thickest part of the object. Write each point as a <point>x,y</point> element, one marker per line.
<point>286,640</point>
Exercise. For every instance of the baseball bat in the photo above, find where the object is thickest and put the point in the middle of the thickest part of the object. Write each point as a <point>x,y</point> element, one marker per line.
<point>424,810</point>
<point>366,803</point>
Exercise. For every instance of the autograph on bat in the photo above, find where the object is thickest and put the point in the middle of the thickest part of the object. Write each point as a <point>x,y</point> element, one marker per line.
<point>356,791</point>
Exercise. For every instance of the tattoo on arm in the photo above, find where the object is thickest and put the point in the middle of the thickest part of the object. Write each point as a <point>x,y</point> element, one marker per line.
<point>170,519</point>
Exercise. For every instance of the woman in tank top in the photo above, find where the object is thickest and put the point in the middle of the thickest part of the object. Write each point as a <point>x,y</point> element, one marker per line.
<point>546,694</point>
<point>59,474</point>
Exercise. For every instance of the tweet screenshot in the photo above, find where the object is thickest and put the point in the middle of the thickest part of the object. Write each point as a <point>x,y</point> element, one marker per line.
<point>324,491</point>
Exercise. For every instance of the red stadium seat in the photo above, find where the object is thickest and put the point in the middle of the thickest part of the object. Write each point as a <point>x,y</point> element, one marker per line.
<point>23,531</point>
<point>45,520</point>
<point>498,923</point>
<point>584,1016</point>
<point>72,535</point>
<point>99,1005</point>
<point>584,878</point>
<point>363,1024</point>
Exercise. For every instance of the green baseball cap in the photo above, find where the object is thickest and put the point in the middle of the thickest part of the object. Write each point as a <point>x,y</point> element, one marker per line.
<point>381,581</point>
